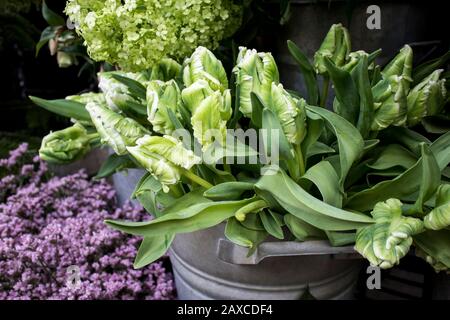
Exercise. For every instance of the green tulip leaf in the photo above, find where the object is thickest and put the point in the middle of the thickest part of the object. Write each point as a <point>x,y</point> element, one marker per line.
<point>350,141</point>
<point>273,223</point>
<point>294,199</point>
<point>400,187</point>
<point>113,164</point>
<point>301,230</point>
<point>65,108</point>
<point>435,245</point>
<point>242,236</point>
<point>197,216</point>
<point>151,249</point>
<point>307,71</point>
<point>228,191</point>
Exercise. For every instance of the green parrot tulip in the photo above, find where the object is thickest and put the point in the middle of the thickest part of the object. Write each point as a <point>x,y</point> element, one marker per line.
<point>401,65</point>
<point>66,146</point>
<point>162,96</point>
<point>167,69</point>
<point>389,239</point>
<point>390,103</point>
<point>255,72</point>
<point>427,98</point>
<point>335,46</point>
<point>291,113</point>
<point>164,157</point>
<point>203,65</point>
<point>114,129</point>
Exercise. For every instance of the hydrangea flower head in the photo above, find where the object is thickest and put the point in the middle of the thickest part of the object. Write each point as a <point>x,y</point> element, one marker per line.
<point>136,34</point>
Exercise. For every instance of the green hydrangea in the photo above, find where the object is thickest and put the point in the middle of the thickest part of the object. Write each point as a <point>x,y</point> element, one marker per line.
<point>136,34</point>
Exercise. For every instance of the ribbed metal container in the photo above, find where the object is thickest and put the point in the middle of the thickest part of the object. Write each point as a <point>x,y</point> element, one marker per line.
<point>207,266</point>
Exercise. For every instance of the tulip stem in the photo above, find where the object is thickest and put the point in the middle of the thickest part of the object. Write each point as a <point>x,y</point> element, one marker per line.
<point>325,88</point>
<point>176,190</point>
<point>301,161</point>
<point>254,206</point>
<point>93,136</point>
<point>227,167</point>
<point>195,178</point>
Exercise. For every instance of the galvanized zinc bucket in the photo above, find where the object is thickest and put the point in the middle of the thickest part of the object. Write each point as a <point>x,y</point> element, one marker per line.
<point>208,266</point>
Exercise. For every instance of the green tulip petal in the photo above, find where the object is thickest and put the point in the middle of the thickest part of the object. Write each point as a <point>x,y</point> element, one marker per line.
<point>65,146</point>
<point>160,97</point>
<point>114,129</point>
<point>439,217</point>
<point>389,239</point>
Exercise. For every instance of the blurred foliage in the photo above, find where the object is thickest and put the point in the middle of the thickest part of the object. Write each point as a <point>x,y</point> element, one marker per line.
<point>10,141</point>
<point>15,29</point>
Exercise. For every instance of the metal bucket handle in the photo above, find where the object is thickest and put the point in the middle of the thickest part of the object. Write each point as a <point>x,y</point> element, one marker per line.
<point>234,254</point>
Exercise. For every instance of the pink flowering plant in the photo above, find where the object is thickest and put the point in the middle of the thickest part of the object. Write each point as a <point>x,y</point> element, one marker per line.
<point>54,244</point>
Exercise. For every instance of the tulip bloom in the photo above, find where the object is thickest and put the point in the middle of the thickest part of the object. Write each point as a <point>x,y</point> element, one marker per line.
<point>427,98</point>
<point>162,96</point>
<point>335,46</point>
<point>66,145</point>
<point>114,129</point>
<point>254,72</point>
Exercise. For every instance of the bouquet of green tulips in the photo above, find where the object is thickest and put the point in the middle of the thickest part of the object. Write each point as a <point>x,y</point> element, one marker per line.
<point>241,149</point>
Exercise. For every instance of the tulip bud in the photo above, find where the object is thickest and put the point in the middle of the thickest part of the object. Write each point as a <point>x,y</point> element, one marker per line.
<point>114,129</point>
<point>169,148</point>
<point>390,104</point>
<point>427,98</point>
<point>164,157</point>
<point>167,69</point>
<point>254,72</point>
<point>66,145</point>
<point>291,113</point>
<point>203,65</point>
<point>116,93</point>
<point>354,58</point>
<point>160,97</point>
<point>401,65</point>
<point>335,46</point>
